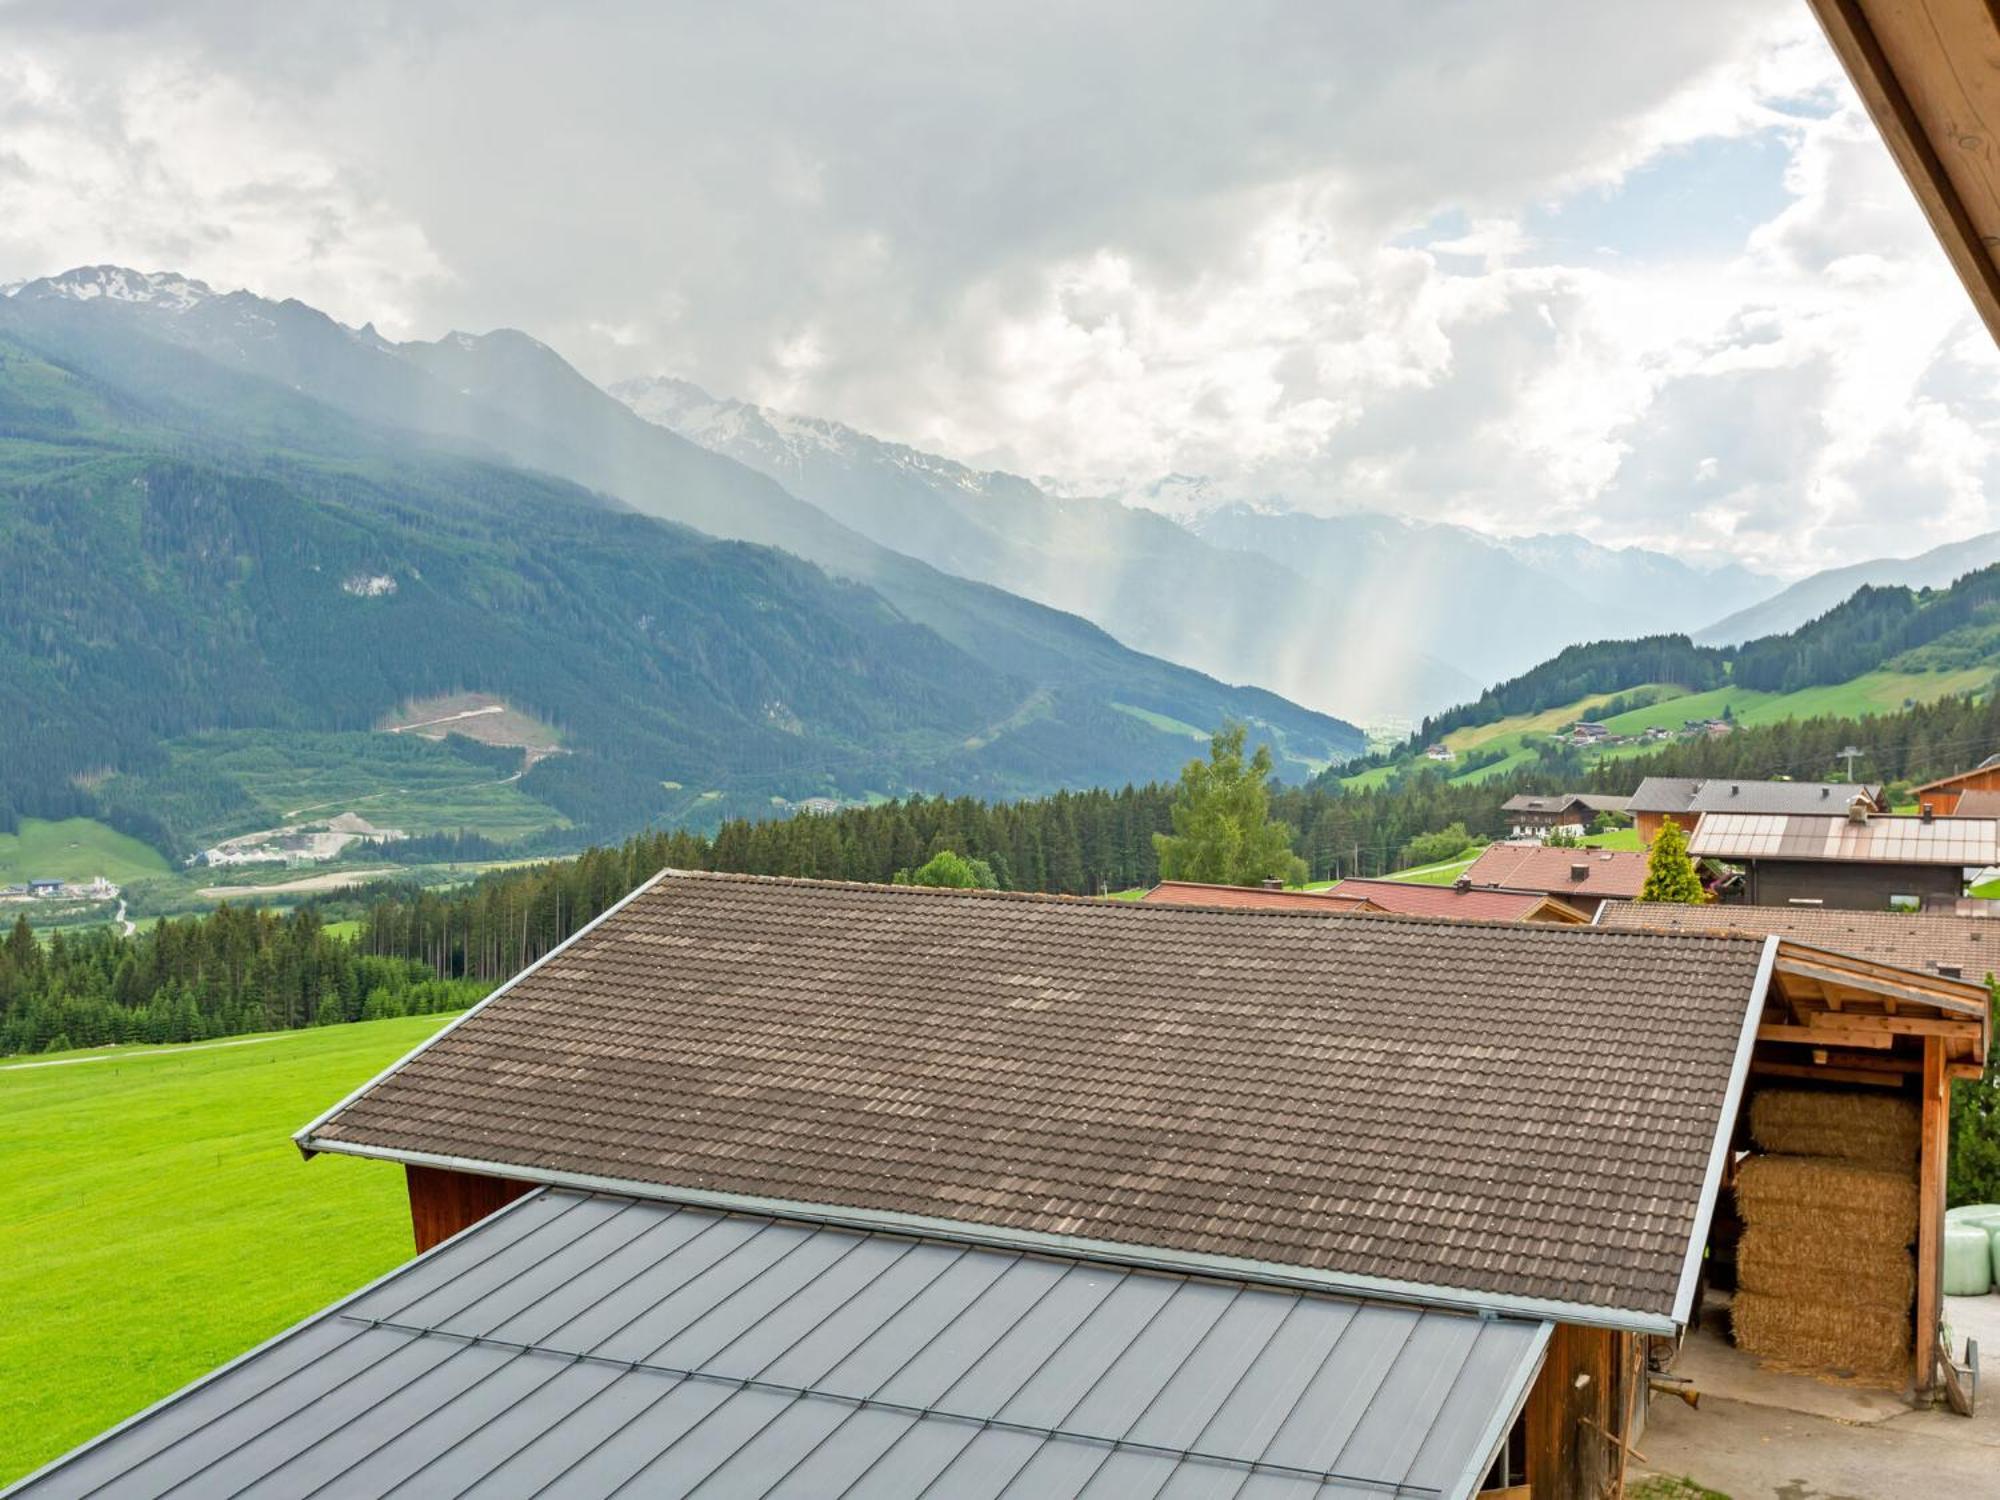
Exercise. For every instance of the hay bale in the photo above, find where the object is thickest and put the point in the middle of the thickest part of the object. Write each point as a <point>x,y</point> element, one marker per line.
<point>1825,1268</point>
<point>1811,1195</point>
<point>1874,1130</point>
<point>1820,1336</point>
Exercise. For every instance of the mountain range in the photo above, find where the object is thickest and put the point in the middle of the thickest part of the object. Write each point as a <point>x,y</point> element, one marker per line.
<point>1814,595</point>
<point>194,481</point>
<point>1247,592</point>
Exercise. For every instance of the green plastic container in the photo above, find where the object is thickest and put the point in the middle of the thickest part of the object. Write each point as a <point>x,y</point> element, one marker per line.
<point>1985,1215</point>
<point>1994,1235</point>
<point>1968,1260</point>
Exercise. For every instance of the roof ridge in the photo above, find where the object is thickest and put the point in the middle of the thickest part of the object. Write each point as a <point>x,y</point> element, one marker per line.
<point>1112,905</point>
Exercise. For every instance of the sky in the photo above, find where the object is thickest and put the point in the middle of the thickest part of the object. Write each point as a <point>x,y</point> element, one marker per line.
<point>1641,272</point>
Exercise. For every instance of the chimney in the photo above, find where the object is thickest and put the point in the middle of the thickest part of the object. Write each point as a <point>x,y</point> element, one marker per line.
<point>1826,791</point>
<point>1928,812</point>
<point>1463,883</point>
<point>1272,883</point>
<point>1734,789</point>
<point>1579,872</point>
<point>1857,810</point>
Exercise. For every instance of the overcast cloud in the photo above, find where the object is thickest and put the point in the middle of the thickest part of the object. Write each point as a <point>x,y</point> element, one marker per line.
<point>1643,272</point>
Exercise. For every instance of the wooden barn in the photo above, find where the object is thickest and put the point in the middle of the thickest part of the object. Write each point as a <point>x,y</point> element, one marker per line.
<point>1146,1161</point>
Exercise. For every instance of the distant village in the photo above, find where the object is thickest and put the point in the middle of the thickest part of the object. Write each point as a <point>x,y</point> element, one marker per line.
<point>1589,734</point>
<point>95,889</point>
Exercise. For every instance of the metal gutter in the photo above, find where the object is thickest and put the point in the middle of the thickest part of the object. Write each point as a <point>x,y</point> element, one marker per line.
<point>1725,1126</point>
<point>22,1484</point>
<point>1032,1241</point>
<point>1504,1415</point>
<point>302,1137</point>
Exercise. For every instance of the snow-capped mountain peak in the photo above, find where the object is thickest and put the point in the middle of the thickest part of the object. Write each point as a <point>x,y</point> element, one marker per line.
<point>168,290</point>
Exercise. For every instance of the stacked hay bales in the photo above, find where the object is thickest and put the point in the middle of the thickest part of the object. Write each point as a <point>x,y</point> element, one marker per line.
<point>1825,1273</point>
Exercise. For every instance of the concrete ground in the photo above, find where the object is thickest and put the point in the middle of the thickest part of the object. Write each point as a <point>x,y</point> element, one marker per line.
<point>1759,1435</point>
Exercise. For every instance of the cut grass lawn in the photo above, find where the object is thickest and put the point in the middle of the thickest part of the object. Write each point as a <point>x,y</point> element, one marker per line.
<point>160,1221</point>
<point>75,849</point>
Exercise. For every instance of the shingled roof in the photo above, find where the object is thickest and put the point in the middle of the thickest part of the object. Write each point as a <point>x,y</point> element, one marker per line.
<point>1583,874</point>
<point>1410,898</point>
<point>1924,942</point>
<point>1251,897</point>
<point>1507,1116</point>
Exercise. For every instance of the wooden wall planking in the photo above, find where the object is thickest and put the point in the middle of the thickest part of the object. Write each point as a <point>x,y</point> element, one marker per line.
<point>444,1202</point>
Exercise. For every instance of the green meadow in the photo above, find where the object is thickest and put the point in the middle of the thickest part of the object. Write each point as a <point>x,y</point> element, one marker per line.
<point>159,1220</point>
<point>75,849</point>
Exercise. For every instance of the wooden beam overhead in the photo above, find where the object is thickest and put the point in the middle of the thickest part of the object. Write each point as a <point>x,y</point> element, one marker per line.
<point>1825,1075</point>
<point>1929,73</point>
<point>1812,1036</point>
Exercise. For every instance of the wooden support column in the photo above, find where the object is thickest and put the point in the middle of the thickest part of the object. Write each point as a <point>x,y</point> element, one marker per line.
<point>1931,1163</point>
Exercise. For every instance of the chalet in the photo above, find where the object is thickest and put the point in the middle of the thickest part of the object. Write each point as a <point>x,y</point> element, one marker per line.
<point>1855,861</point>
<point>1458,901</point>
<point>1688,799</point>
<point>45,887</point>
<point>1946,796</point>
<point>1585,732</point>
<point>917,1186</point>
<point>1533,816</point>
<point>1440,752</point>
<point>1579,878</point>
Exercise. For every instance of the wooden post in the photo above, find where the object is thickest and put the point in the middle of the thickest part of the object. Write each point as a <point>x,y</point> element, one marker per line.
<point>1931,1162</point>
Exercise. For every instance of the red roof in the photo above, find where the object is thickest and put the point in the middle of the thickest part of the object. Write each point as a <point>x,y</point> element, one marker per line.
<point>1249,897</point>
<point>1409,899</point>
<point>1607,873</point>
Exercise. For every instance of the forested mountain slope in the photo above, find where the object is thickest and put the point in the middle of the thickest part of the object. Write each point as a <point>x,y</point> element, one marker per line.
<point>1149,581</point>
<point>189,547</point>
<point>512,399</point>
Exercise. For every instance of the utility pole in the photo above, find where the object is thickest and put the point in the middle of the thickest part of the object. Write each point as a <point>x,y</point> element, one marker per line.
<point>1850,755</point>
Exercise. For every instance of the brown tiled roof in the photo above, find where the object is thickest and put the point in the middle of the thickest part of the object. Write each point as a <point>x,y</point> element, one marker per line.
<point>1249,898</point>
<point>1507,1111</point>
<point>1977,805</point>
<point>1612,873</point>
<point>1905,940</point>
<point>1408,898</point>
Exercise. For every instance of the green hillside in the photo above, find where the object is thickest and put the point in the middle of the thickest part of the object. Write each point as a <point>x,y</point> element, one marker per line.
<point>156,1192</point>
<point>74,849</point>
<point>1880,652</point>
<point>197,554</point>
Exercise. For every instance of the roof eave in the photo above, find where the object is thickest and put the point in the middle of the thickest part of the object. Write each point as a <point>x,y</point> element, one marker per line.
<point>1110,1252</point>
<point>1725,1129</point>
<point>303,1136</point>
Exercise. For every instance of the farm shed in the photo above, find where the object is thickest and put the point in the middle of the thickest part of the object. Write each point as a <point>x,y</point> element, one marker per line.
<point>1523,1123</point>
<point>1862,1038</point>
<point>1515,1120</point>
<point>1854,862</point>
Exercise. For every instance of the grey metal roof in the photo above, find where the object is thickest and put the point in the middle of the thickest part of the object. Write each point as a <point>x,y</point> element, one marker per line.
<point>1738,796</point>
<point>1664,794</point>
<point>582,1344</point>
<point>1964,842</point>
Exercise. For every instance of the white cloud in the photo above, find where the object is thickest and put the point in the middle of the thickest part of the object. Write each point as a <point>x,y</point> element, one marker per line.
<point>1090,242</point>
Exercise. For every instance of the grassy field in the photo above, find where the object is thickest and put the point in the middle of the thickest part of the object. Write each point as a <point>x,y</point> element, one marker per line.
<point>75,849</point>
<point>160,1221</point>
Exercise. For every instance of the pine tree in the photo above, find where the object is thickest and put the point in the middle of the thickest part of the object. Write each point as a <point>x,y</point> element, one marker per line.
<point>1670,874</point>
